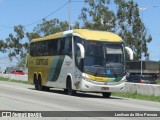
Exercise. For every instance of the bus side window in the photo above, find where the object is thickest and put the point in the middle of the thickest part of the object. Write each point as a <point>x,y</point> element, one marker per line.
<point>60,46</point>
<point>42,48</point>
<point>45,50</point>
<point>52,47</point>
<point>38,51</point>
<point>32,49</point>
<point>68,46</point>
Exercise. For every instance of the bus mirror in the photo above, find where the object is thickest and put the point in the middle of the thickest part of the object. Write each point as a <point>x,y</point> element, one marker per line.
<point>82,51</point>
<point>130,52</point>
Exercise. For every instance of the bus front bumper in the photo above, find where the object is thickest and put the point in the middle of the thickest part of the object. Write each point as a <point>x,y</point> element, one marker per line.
<point>91,87</point>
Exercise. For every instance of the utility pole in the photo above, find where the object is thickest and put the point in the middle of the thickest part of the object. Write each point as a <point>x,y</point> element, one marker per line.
<point>69,6</point>
<point>142,9</point>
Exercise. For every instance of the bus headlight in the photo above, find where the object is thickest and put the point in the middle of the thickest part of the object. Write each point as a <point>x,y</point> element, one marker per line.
<point>87,79</point>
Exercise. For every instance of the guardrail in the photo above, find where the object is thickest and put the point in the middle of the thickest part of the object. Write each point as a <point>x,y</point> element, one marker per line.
<point>144,89</point>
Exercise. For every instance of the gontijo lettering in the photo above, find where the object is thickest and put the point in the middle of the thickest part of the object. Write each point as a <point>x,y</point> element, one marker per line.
<point>42,62</point>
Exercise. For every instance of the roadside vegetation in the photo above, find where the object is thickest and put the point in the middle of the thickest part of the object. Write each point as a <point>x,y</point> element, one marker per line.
<point>158,81</point>
<point>138,96</point>
<point>15,81</point>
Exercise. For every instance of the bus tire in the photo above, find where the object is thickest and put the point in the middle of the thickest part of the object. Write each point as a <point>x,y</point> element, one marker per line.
<point>65,91</point>
<point>70,91</point>
<point>106,94</point>
<point>46,88</point>
<point>40,87</point>
<point>35,82</point>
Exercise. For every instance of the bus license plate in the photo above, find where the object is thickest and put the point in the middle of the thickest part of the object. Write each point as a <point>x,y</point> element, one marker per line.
<point>104,88</point>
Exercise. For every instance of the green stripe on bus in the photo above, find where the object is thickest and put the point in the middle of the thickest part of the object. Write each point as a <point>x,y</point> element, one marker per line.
<point>55,68</point>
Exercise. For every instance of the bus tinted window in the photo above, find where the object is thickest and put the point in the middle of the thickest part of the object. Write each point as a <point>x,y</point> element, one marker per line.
<point>32,49</point>
<point>68,46</point>
<point>62,43</point>
<point>61,46</point>
<point>52,47</point>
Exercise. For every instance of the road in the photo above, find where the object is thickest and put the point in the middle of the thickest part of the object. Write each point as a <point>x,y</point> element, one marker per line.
<point>23,97</point>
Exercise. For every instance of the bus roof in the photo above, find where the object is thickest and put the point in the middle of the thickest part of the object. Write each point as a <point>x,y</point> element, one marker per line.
<point>85,34</point>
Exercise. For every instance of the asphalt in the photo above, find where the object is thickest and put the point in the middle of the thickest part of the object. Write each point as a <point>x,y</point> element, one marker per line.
<point>23,97</point>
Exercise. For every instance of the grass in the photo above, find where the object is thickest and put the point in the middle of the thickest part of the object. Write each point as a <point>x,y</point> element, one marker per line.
<point>158,81</point>
<point>15,81</point>
<point>138,96</point>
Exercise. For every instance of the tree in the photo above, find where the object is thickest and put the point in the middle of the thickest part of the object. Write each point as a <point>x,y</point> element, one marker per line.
<point>125,21</point>
<point>98,16</point>
<point>3,46</point>
<point>131,28</point>
<point>48,27</point>
<point>32,35</point>
<point>14,45</point>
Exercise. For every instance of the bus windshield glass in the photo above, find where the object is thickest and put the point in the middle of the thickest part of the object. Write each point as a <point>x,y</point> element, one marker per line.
<point>104,59</point>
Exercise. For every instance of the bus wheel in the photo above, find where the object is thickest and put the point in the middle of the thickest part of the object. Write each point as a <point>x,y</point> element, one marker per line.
<point>106,94</point>
<point>70,91</point>
<point>35,82</point>
<point>40,87</point>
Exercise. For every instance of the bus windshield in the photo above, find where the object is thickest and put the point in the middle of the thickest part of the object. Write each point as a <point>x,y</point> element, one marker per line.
<point>104,59</point>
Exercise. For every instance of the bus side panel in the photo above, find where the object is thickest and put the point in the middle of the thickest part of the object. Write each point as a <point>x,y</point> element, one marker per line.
<point>30,70</point>
<point>39,66</point>
<point>67,70</point>
<point>55,68</point>
<point>60,67</point>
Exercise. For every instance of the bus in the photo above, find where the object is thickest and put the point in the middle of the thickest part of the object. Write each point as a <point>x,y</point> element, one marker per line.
<point>79,60</point>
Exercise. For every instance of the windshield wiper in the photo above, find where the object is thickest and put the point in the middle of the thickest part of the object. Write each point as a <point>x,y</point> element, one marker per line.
<point>97,66</point>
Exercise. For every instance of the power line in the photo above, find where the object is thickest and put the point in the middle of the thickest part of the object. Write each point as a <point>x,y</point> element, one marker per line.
<point>47,15</point>
<point>77,1</point>
<point>27,25</point>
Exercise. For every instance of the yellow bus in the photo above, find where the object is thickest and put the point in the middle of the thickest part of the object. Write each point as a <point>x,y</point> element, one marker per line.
<point>78,60</point>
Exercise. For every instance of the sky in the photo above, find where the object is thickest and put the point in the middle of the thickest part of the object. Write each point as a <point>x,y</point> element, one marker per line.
<point>25,12</point>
